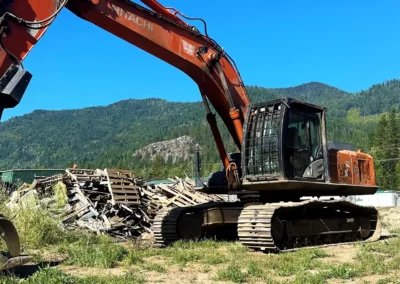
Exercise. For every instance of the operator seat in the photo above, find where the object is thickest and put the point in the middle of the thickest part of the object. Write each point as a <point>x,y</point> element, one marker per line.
<point>291,143</point>
<point>298,160</point>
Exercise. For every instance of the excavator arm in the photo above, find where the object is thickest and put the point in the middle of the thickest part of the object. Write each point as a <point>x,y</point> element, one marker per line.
<point>159,32</point>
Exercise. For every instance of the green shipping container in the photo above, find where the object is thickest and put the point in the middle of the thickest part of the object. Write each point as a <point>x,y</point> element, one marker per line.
<point>19,176</point>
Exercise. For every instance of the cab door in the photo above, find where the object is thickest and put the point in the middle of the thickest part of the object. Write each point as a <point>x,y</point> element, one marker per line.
<point>303,143</point>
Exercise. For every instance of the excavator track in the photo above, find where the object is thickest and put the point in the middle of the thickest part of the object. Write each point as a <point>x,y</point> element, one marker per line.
<point>165,226</point>
<point>196,222</point>
<point>289,226</point>
<point>272,227</point>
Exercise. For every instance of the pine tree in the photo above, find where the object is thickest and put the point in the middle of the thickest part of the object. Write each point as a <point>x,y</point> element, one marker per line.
<point>377,151</point>
<point>385,150</point>
<point>391,149</point>
<point>157,167</point>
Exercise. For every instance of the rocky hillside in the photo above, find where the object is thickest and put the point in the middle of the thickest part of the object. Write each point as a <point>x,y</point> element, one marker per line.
<point>172,150</point>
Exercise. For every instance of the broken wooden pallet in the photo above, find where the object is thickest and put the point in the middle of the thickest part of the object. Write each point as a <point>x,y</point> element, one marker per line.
<point>122,189</point>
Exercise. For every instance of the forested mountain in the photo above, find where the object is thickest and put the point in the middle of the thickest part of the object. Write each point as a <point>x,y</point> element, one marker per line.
<point>377,99</point>
<point>99,137</point>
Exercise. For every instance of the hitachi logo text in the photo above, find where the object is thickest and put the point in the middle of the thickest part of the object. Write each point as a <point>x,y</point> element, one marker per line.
<point>131,17</point>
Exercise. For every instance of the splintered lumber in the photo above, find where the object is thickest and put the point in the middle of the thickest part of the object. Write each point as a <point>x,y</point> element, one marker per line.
<point>122,188</point>
<point>116,201</point>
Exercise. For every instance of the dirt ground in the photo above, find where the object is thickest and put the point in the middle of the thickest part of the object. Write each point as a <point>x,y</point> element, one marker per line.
<point>160,268</point>
<point>390,220</point>
<point>195,273</point>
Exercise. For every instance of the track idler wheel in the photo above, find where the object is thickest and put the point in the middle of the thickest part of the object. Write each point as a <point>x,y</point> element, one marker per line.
<point>10,235</point>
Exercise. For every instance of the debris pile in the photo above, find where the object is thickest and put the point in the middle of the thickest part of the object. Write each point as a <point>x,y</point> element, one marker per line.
<point>7,187</point>
<point>112,201</point>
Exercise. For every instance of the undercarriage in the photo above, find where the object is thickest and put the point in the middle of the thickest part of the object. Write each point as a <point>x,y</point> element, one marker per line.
<point>270,227</point>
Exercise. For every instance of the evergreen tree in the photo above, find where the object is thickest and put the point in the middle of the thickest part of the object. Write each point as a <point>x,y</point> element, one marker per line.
<point>385,151</point>
<point>378,152</point>
<point>157,167</point>
<point>391,149</point>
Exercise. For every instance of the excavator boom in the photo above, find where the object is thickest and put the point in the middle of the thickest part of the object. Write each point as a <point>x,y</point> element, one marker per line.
<point>159,32</point>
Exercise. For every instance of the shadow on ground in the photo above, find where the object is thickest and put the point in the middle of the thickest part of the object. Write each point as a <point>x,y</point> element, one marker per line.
<point>28,270</point>
<point>387,237</point>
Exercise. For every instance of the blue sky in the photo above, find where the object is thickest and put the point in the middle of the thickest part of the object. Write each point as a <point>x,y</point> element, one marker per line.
<point>347,44</point>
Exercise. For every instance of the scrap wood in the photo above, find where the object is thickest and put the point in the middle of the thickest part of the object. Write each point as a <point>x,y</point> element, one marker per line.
<point>115,201</point>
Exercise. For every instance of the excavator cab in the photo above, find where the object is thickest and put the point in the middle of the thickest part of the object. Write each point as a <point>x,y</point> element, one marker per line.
<point>284,140</point>
<point>285,154</point>
<point>285,148</point>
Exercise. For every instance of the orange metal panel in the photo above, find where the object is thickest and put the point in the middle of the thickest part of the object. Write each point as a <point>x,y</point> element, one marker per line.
<point>349,167</point>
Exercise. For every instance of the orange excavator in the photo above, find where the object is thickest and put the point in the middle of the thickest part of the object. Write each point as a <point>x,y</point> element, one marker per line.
<point>283,155</point>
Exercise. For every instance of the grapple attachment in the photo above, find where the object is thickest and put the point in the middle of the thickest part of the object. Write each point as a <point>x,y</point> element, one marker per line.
<point>10,235</point>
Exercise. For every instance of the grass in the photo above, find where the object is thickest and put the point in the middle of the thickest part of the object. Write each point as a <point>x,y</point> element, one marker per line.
<point>60,194</point>
<point>232,273</point>
<point>37,226</point>
<point>55,276</point>
<point>388,280</point>
<point>136,257</point>
<point>92,251</point>
<point>293,263</point>
<point>221,261</point>
<point>182,253</point>
<point>155,267</point>
<point>264,267</point>
<point>234,261</point>
<point>224,261</point>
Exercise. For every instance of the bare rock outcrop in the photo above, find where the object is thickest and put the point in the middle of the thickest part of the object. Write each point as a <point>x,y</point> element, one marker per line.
<point>179,148</point>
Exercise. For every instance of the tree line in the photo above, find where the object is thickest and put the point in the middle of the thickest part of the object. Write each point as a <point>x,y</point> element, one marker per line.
<point>100,137</point>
